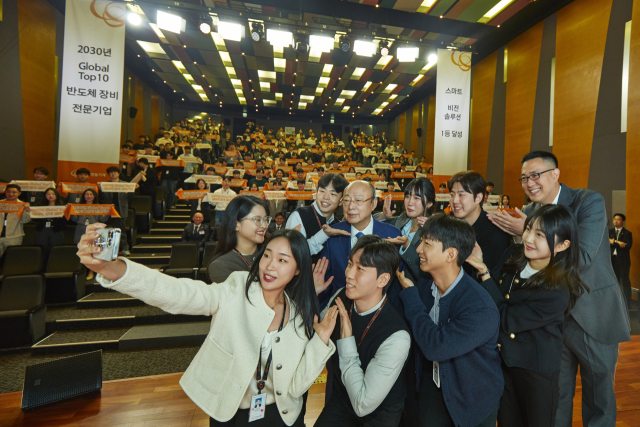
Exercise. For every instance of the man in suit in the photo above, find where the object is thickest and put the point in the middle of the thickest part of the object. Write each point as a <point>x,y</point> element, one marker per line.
<point>620,240</point>
<point>277,224</point>
<point>599,320</point>
<point>359,202</point>
<point>197,232</point>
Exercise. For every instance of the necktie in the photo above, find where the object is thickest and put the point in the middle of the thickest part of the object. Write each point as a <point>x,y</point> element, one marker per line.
<point>617,234</point>
<point>359,234</point>
<point>196,232</point>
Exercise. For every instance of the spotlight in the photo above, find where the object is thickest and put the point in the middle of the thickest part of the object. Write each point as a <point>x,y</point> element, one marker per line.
<point>205,27</point>
<point>134,19</point>
<point>257,31</point>
<point>344,43</point>
<point>384,48</point>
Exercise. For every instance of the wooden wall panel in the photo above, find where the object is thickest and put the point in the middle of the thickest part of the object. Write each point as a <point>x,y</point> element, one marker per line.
<point>138,121</point>
<point>415,124</point>
<point>402,119</point>
<point>581,35</point>
<point>633,143</point>
<point>430,137</point>
<point>484,81</point>
<point>155,114</point>
<point>37,24</point>
<point>522,77</point>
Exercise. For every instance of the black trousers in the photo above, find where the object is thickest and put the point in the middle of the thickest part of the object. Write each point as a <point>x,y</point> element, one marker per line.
<point>433,409</point>
<point>530,398</point>
<point>272,418</point>
<point>622,274</point>
<point>338,412</point>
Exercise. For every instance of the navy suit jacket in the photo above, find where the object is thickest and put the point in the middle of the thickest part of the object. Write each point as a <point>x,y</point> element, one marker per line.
<point>337,250</point>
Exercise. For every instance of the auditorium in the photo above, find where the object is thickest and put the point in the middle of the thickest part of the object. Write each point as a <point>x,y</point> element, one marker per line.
<point>319,213</point>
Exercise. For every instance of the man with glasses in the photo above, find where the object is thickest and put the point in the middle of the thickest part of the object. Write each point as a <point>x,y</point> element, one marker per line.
<point>316,218</point>
<point>599,320</point>
<point>358,203</point>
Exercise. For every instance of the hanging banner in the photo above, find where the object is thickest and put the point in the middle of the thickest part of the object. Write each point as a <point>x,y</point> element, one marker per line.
<point>92,82</point>
<point>452,112</point>
<point>38,212</point>
<point>94,210</point>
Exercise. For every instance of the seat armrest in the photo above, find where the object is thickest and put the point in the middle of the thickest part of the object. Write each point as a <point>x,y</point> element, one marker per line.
<point>38,323</point>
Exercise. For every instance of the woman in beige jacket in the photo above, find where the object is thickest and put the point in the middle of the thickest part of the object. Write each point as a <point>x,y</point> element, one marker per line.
<point>270,312</point>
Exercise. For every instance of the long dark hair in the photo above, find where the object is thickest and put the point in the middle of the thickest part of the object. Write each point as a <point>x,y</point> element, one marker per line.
<point>558,224</point>
<point>300,289</point>
<point>424,189</point>
<point>92,191</point>
<point>45,202</point>
<point>237,209</point>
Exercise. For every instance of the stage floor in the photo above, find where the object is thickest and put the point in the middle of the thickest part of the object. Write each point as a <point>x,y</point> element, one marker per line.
<point>159,401</point>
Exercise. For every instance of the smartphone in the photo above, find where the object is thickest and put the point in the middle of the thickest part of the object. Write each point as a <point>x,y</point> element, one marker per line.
<point>108,241</point>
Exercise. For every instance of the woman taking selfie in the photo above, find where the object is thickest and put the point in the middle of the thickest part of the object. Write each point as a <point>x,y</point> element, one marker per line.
<point>534,290</point>
<point>265,344</point>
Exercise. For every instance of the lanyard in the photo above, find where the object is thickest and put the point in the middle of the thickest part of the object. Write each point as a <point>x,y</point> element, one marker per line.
<point>261,379</point>
<point>370,322</point>
<point>318,218</point>
<point>243,258</point>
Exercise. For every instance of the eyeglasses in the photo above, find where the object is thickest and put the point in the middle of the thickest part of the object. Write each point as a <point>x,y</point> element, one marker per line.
<point>358,202</point>
<point>534,176</point>
<point>260,220</point>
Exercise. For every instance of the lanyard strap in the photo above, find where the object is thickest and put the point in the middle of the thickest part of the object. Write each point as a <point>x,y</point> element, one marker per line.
<point>243,258</point>
<point>318,218</point>
<point>370,322</point>
<point>262,378</point>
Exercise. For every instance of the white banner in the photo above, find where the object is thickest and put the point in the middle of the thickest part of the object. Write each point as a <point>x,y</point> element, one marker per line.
<point>453,94</point>
<point>117,187</point>
<point>47,211</point>
<point>92,82</point>
<point>288,130</point>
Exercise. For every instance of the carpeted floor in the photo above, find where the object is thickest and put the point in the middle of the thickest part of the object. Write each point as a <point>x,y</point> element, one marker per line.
<point>115,364</point>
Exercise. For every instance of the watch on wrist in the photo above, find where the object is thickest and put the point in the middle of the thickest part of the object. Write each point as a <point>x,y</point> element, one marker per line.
<point>485,273</point>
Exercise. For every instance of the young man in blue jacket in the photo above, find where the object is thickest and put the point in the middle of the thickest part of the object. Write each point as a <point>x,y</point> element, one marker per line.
<point>455,323</point>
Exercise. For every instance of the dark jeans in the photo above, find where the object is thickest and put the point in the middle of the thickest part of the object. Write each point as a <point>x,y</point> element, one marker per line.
<point>169,187</point>
<point>433,409</point>
<point>338,412</point>
<point>272,418</point>
<point>530,398</point>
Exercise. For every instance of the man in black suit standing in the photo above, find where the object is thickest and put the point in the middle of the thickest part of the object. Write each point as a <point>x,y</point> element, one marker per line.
<point>620,240</point>
<point>197,231</point>
<point>599,321</point>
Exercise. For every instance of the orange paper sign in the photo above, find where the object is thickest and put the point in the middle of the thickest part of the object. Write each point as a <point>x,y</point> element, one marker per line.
<point>80,210</point>
<point>300,195</point>
<point>76,187</point>
<point>170,163</point>
<point>8,207</point>
<point>191,194</point>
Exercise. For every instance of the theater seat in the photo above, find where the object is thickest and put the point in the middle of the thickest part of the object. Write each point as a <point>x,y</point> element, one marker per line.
<point>184,261</point>
<point>209,250</point>
<point>22,310</point>
<point>66,276</point>
<point>143,208</point>
<point>22,260</point>
<point>29,238</point>
<point>130,228</point>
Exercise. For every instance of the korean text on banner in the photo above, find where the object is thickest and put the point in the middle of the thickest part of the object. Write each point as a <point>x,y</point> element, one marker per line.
<point>452,112</point>
<point>7,206</point>
<point>100,210</point>
<point>117,187</point>
<point>92,82</point>
<point>34,185</point>
<point>47,211</point>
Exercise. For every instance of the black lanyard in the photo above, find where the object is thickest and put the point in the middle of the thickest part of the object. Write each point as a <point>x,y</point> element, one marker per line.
<point>261,379</point>
<point>243,258</point>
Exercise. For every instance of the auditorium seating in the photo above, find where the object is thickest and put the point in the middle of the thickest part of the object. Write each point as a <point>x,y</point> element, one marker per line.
<point>29,238</point>
<point>143,209</point>
<point>130,228</point>
<point>209,250</point>
<point>65,275</point>
<point>22,310</point>
<point>184,260</point>
<point>19,260</point>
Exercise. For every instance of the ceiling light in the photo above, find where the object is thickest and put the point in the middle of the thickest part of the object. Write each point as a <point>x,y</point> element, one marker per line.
<point>384,47</point>
<point>407,54</point>
<point>134,19</point>
<point>151,47</point>
<point>364,48</point>
<point>497,9</point>
<point>344,43</point>
<point>205,28</point>
<point>279,38</point>
<point>321,43</point>
<point>433,58</point>
<point>257,31</point>
<point>230,31</point>
<point>169,22</point>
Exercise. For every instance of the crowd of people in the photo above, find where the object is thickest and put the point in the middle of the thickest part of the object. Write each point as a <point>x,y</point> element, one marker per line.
<point>426,310</point>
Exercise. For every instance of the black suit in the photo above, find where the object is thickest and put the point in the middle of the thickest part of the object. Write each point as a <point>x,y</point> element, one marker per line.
<point>189,234</point>
<point>621,261</point>
<point>273,227</point>
<point>493,242</point>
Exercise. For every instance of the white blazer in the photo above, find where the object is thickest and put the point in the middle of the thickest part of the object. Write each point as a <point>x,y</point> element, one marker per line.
<point>219,375</point>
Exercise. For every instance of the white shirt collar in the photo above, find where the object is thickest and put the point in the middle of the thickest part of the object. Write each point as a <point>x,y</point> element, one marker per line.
<point>555,201</point>
<point>367,231</point>
<point>315,206</point>
<point>436,292</point>
<point>371,310</point>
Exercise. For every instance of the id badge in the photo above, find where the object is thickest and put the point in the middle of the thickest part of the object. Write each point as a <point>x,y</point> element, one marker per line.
<point>258,404</point>
<point>48,224</point>
<point>167,172</point>
<point>201,231</point>
<point>436,374</point>
<point>33,199</point>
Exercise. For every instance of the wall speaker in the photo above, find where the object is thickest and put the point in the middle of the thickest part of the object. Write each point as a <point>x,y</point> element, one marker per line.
<point>132,112</point>
<point>419,132</point>
<point>61,379</point>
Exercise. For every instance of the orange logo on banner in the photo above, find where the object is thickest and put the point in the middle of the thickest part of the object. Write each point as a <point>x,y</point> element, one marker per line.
<point>108,18</point>
<point>464,60</point>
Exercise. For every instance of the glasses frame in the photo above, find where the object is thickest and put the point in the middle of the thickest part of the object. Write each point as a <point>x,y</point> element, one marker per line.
<point>263,219</point>
<point>526,179</point>
<point>357,202</point>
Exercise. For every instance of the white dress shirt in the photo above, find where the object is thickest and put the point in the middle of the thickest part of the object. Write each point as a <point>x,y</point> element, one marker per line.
<point>220,206</point>
<point>367,230</point>
<point>316,242</point>
<point>555,201</point>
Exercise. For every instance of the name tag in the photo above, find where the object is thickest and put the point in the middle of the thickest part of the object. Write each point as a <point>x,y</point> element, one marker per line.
<point>201,232</point>
<point>258,404</point>
<point>167,172</point>
<point>436,374</point>
<point>48,224</point>
<point>33,199</point>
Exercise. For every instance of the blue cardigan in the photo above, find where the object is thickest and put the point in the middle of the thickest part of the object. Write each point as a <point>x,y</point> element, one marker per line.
<point>464,342</point>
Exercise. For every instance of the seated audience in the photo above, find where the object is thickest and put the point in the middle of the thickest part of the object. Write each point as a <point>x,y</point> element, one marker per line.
<point>197,232</point>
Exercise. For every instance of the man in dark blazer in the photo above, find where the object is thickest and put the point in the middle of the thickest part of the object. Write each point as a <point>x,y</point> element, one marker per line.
<point>277,224</point>
<point>197,232</point>
<point>620,240</point>
<point>358,202</point>
<point>599,321</point>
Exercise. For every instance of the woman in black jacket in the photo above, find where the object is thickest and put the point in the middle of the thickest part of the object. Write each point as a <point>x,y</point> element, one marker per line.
<point>50,231</point>
<point>534,289</point>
